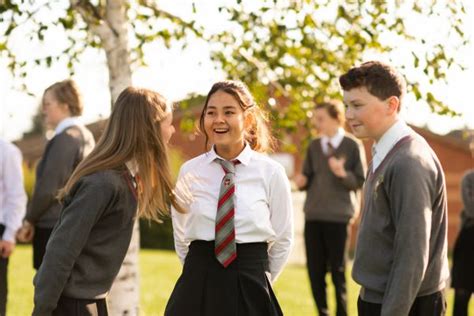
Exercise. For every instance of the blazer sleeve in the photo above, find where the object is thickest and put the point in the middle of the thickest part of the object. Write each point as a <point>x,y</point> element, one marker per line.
<point>308,171</point>
<point>58,164</point>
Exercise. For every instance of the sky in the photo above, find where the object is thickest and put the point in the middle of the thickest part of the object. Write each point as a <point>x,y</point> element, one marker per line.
<point>176,73</point>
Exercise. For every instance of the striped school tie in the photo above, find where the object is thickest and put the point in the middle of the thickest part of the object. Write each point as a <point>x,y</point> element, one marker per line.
<point>225,247</point>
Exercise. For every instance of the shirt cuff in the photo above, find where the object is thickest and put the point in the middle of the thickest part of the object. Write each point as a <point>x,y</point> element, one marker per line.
<point>9,235</point>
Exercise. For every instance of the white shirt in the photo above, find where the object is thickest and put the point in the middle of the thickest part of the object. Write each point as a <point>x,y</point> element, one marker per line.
<point>12,192</point>
<point>262,202</point>
<point>380,149</point>
<point>68,122</point>
<point>335,140</point>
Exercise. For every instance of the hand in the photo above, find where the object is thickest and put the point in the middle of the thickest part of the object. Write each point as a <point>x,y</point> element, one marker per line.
<point>26,232</point>
<point>6,248</point>
<point>300,180</point>
<point>337,166</point>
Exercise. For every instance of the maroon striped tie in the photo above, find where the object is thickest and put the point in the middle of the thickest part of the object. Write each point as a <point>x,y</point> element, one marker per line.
<point>225,246</point>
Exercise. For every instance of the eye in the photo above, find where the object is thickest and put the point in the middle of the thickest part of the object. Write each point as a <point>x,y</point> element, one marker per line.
<point>228,112</point>
<point>210,112</point>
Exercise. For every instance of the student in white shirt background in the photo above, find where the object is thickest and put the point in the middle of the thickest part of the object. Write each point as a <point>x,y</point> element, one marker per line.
<point>231,275</point>
<point>12,209</point>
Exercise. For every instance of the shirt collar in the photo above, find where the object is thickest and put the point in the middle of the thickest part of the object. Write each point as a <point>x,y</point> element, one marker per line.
<point>336,139</point>
<point>132,167</point>
<point>396,132</point>
<point>68,122</point>
<point>244,157</point>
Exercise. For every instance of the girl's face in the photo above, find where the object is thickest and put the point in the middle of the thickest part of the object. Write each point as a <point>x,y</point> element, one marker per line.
<point>54,112</point>
<point>224,122</point>
<point>167,128</point>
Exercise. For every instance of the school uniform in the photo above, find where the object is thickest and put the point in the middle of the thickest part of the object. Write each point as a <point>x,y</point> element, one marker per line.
<point>401,257</point>
<point>463,255</point>
<point>87,246</point>
<point>263,234</point>
<point>71,143</point>
<point>12,207</point>
<point>331,203</point>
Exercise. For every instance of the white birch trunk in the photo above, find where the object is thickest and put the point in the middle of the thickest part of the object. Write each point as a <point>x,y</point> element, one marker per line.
<point>111,28</point>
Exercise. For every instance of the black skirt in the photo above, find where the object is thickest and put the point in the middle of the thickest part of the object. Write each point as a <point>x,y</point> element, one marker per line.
<point>463,260</point>
<point>206,288</point>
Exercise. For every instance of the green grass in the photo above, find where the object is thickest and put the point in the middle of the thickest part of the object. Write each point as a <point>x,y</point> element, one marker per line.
<point>159,272</point>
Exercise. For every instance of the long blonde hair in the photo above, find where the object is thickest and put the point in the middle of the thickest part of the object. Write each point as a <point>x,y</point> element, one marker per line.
<point>133,132</point>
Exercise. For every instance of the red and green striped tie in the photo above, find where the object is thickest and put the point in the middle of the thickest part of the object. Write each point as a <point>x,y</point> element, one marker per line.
<point>225,247</point>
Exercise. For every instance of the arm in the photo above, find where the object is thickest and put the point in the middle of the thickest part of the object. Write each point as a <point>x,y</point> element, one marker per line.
<point>15,197</point>
<point>467,191</point>
<point>89,200</point>
<point>184,198</point>
<point>303,181</point>
<point>281,217</point>
<point>410,191</point>
<point>58,166</point>
<point>353,175</point>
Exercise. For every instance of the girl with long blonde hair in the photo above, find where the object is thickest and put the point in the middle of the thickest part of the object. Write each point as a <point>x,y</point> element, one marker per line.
<point>126,176</point>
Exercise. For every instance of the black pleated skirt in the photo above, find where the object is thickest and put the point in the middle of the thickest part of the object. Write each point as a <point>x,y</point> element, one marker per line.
<point>463,260</point>
<point>206,288</point>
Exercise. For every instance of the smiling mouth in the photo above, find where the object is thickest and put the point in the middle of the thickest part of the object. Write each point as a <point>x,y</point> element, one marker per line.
<point>220,130</point>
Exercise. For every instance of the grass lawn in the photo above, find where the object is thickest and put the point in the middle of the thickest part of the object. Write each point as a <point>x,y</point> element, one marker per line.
<point>159,271</point>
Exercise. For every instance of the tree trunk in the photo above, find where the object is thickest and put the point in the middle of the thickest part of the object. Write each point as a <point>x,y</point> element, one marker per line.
<point>111,28</point>
<point>124,296</point>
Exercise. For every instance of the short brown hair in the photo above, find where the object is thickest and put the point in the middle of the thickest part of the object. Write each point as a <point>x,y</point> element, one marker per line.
<point>67,92</point>
<point>334,109</point>
<point>380,79</point>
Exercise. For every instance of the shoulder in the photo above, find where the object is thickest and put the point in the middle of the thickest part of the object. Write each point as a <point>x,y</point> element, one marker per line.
<point>193,163</point>
<point>106,181</point>
<point>468,178</point>
<point>9,149</point>
<point>265,162</point>
<point>415,157</point>
<point>351,141</point>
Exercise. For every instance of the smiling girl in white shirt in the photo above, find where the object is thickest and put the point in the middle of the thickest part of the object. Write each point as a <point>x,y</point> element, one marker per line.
<point>236,235</point>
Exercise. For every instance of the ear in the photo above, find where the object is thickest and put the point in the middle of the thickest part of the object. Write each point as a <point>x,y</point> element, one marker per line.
<point>393,104</point>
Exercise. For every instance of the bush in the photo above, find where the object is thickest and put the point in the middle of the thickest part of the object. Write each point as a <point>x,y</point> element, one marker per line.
<point>156,236</point>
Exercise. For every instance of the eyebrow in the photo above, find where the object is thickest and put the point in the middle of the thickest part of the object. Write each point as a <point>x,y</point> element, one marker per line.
<point>353,101</point>
<point>226,107</point>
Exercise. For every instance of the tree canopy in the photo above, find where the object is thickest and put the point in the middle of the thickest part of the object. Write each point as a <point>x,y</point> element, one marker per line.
<point>289,52</point>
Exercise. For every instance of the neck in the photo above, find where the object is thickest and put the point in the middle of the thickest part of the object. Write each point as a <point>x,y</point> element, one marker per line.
<point>229,152</point>
<point>387,127</point>
<point>332,132</point>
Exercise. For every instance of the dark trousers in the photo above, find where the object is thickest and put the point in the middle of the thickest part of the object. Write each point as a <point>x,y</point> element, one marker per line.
<point>461,302</point>
<point>80,307</point>
<point>3,279</point>
<point>326,250</point>
<point>40,239</point>
<point>428,305</point>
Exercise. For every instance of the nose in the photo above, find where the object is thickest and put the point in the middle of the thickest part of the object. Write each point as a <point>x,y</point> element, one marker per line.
<point>219,118</point>
<point>349,113</point>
